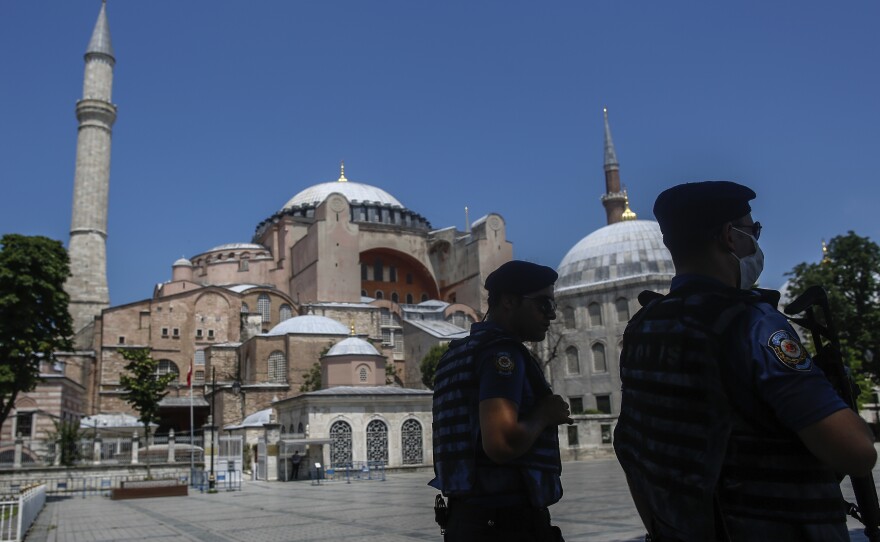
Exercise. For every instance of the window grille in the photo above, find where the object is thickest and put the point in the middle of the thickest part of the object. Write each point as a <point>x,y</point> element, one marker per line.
<point>568,318</point>
<point>340,444</point>
<point>572,435</point>
<point>411,442</point>
<point>603,404</point>
<point>362,374</point>
<point>264,307</point>
<point>167,366</point>
<point>286,312</point>
<point>277,367</point>
<point>377,442</point>
<point>200,357</point>
<point>244,308</point>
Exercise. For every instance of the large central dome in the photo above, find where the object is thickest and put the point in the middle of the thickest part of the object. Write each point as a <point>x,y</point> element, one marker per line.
<point>618,251</point>
<point>353,192</point>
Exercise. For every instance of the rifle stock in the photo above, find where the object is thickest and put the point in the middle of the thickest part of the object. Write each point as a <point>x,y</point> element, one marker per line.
<point>827,344</point>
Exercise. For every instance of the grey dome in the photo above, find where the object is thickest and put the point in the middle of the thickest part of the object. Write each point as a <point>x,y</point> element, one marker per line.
<point>615,252</point>
<point>352,345</point>
<point>309,324</point>
<point>358,192</point>
<point>182,262</point>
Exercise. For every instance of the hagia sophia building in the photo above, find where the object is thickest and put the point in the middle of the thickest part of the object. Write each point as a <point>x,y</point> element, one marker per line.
<point>344,276</point>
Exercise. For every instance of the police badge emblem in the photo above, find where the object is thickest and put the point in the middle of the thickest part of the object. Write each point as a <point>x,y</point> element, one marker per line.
<point>789,350</point>
<point>504,364</point>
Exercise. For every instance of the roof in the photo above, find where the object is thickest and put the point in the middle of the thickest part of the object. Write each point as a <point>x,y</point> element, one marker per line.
<point>110,420</point>
<point>440,329</point>
<point>100,41</point>
<point>240,288</point>
<point>239,246</point>
<point>182,402</point>
<point>257,419</point>
<point>368,391</point>
<point>615,252</point>
<point>352,346</point>
<point>353,192</point>
<point>309,324</point>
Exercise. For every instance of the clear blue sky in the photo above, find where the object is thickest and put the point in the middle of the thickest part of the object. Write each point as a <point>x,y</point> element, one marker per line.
<point>227,109</point>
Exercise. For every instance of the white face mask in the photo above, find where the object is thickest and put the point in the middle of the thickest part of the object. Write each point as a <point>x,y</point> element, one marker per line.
<point>750,266</point>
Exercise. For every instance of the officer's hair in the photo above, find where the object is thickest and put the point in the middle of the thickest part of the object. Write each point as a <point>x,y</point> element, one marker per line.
<point>689,245</point>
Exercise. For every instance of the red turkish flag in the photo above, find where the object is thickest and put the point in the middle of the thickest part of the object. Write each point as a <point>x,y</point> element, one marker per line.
<point>189,375</point>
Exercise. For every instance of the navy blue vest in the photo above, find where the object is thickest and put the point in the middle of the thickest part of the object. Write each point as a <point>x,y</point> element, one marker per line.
<point>458,452</point>
<point>688,455</point>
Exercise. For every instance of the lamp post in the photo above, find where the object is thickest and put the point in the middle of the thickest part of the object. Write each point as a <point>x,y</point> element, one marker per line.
<point>211,479</point>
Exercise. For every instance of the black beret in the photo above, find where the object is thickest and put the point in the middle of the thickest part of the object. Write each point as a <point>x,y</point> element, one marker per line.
<point>691,209</point>
<point>519,277</point>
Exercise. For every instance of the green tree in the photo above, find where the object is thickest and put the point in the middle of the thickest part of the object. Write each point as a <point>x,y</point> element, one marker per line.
<point>34,321</point>
<point>67,437</point>
<point>428,366</point>
<point>850,273</point>
<point>312,378</point>
<point>144,388</point>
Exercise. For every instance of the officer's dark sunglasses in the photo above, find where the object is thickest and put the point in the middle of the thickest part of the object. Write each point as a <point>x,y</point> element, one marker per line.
<point>546,304</point>
<point>756,229</point>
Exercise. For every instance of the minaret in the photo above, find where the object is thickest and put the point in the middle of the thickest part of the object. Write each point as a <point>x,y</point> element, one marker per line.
<point>87,285</point>
<point>614,200</point>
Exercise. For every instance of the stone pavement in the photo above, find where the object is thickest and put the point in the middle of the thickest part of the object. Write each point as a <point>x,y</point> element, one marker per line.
<point>596,507</point>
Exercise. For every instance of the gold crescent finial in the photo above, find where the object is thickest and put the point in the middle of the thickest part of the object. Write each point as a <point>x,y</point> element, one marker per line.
<point>342,178</point>
<point>351,326</point>
<point>628,213</point>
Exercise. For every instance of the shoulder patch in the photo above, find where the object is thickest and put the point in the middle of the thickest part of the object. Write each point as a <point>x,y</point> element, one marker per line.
<point>789,350</point>
<point>504,364</point>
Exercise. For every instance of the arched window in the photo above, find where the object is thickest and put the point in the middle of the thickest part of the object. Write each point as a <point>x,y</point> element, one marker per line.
<point>411,442</point>
<point>572,362</point>
<point>363,374</point>
<point>392,274</point>
<point>377,442</point>
<point>379,294</point>
<point>364,293</point>
<point>424,297</point>
<point>244,308</point>
<point>285,312</point>
<point>394,297</point>
<point>167,366</point>
<point>622,307</point>
<point>599,365</point>
<point>299,428</point>
<point>277,367</point>
<point>264,307</point>
<point>568,318</point>
<point>340,444</point>
<point>409,299</point>
<point>595,314</point>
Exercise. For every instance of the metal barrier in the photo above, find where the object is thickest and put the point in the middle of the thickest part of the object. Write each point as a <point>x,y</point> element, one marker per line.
<point>17,514</point>
<point>75,486</point>
<point>348,472</point>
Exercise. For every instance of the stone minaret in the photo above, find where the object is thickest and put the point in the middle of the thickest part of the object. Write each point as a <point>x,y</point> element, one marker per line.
<point>87,285</point>
<point>614,200</point>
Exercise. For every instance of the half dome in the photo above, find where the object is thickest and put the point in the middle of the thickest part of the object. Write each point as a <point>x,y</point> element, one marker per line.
<point>615,252</point>
<point>353,192</point>
<point>309,324</point>
<point>352,346</point>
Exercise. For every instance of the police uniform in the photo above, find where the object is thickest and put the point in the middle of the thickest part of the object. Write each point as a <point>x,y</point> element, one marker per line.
<point>716,385</point>
<point>490,501</point>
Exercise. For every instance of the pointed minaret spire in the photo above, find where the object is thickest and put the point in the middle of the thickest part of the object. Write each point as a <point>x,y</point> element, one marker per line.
<point>342,178</point>
<point>610,154</point>
<point>467,220</point>
<point>613,199</point>
<point>87,285</point>
<point>100,42</point>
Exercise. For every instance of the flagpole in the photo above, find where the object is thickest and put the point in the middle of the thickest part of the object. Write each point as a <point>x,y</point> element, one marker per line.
<point>192,442</point>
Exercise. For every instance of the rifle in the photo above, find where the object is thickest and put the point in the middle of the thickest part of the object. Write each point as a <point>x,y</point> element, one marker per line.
<point>828,358</point>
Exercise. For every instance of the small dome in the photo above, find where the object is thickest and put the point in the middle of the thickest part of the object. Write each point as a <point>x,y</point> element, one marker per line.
<point>352,345</point>
<point>615,252</point>
<point>314,195</point>
<point>182,262</point>
<point>309,324</point>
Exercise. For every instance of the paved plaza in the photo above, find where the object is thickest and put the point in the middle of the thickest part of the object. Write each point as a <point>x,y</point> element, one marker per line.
<point>596,507</point>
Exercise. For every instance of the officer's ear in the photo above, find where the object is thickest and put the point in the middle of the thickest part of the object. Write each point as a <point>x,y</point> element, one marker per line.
<point>725,237</point>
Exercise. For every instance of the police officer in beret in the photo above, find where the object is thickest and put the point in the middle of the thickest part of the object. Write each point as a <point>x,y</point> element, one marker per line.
<point>727,430</point>
<point>496,449</point>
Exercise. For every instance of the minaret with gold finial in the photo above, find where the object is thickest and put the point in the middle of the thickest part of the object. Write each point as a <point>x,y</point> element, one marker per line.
<point>614,200</point>
<point>825,258</point>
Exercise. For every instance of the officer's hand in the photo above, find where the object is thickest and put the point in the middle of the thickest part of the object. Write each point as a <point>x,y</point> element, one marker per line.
<point>555,410</point>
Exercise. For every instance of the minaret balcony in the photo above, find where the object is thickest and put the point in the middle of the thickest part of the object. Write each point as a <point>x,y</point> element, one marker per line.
<point>91,110</point>
<point>613,196</point>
